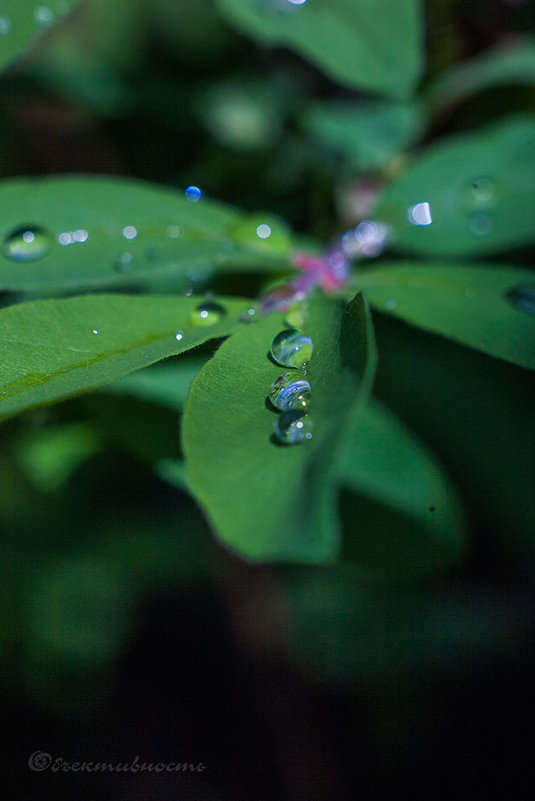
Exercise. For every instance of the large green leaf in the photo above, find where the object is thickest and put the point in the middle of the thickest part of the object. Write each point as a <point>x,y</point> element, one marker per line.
<point>22,22</point>
<point>368,134</point>
<point>403,515</point>
<point>52,349</point>
<point>487,308</point>
<point>268,501</point>
<point>369,44</point>
<point>510,63</point>
<point>98,232</point>
<point>479,188</point>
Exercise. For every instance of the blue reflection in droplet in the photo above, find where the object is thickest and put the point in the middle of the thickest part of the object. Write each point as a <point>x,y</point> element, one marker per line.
<point>193,194</point>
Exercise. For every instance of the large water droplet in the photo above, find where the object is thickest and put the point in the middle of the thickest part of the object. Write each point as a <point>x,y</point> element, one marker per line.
<point>292,348</point>
<point>207,313</point>
<point>480,223</point>
<point>522,297</point>
<point>293,427</point>
<point>29,243</point>
<point>289,391</point>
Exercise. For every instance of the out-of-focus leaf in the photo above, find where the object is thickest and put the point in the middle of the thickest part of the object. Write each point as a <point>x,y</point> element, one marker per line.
<point>490,308</point>
<point>72,233</point>
<point>22,22</point>
<point>403,515</point>
<point>510,63</point>
<point>56,348</point>
<point>165,384</point>
<point>368,134</point>
<point>372,44</point>
<point>268,501</point>
<point>469,194</point>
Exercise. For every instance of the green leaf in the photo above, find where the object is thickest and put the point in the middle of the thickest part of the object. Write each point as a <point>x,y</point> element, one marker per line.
<point>268,501</point>
<point>510,63</point>
<point>23,22</point>
<point>372,44</point>
<point>480,192</point>
<point>477,306</point>
<point>368,134</point>
<point>102,232</point>
<point>404,517</point>
<point>164,384</point>
<point>56,348</point>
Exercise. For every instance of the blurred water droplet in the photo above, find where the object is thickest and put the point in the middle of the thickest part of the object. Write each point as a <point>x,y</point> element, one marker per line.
<point>124,263</point>
<point>420,214</point>
<point>249,316</point>
<point>263,231</point>
<point>290,391</point>
<point>28,243</point>
<point>130,232</point>
<point>95,331</point>
<point>43,16</point>
<point>5,26</point>
<point>207,313</point>
<point>293,427</point>
<point>480,223</point>
<point>292,348</point>
<point>188,292</point>
<point>482,190</point>
<point>179,335</point>
<point>390,303</point>
<point>71,237</point>
<point>173,232</point>
<point>193,194</point>
<point>522,297</point>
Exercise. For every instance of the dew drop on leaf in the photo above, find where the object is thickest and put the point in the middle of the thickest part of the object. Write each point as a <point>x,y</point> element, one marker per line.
<point>207,313</point>
<point>292,348</point>
<point>482,190</point>
<point>193,194</point>
<point>28,243</point>
<point>522,297</point>
<point>5,26</point>
<point>293,427</point>
<point>179,335</point>
<point>250,315</point>
<point>480,223</point>
<point>289,391</point>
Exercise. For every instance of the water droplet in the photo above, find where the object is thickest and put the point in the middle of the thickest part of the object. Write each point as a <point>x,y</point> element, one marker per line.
<point>390,303</point>
<point>179,335</point>
<point>522,297</point>
<point>95,331</point>
<point>263,231</point>
<point>293,427</point>
<point>297,2</point>
<point>130,232</point>
<point>482,190</point>
<point>193,194</point>
<point>28,243</point>
<point>173,232</point>
<point>43,16</point>
<point>70,237</point>
<point>480,223</point>
<point>124,264</point>
<point>207,313</point>
<point>292,348</point>
<point>250,315</point>
<point>420,214</point>
<point>5,26</point>
<point>289,391</point>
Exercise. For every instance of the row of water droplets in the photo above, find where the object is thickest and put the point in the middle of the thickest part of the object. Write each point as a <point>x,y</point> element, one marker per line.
<point>290,393</point>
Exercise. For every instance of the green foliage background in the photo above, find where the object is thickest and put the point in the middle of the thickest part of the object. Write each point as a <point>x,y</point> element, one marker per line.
<point>176,584</point>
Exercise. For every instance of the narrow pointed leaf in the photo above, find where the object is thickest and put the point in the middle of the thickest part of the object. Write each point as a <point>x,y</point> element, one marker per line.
<point>489,308</point>
<point>370,44</point>
<point>52,349</point>
<point>70,233</point>
<point>285,506</point>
